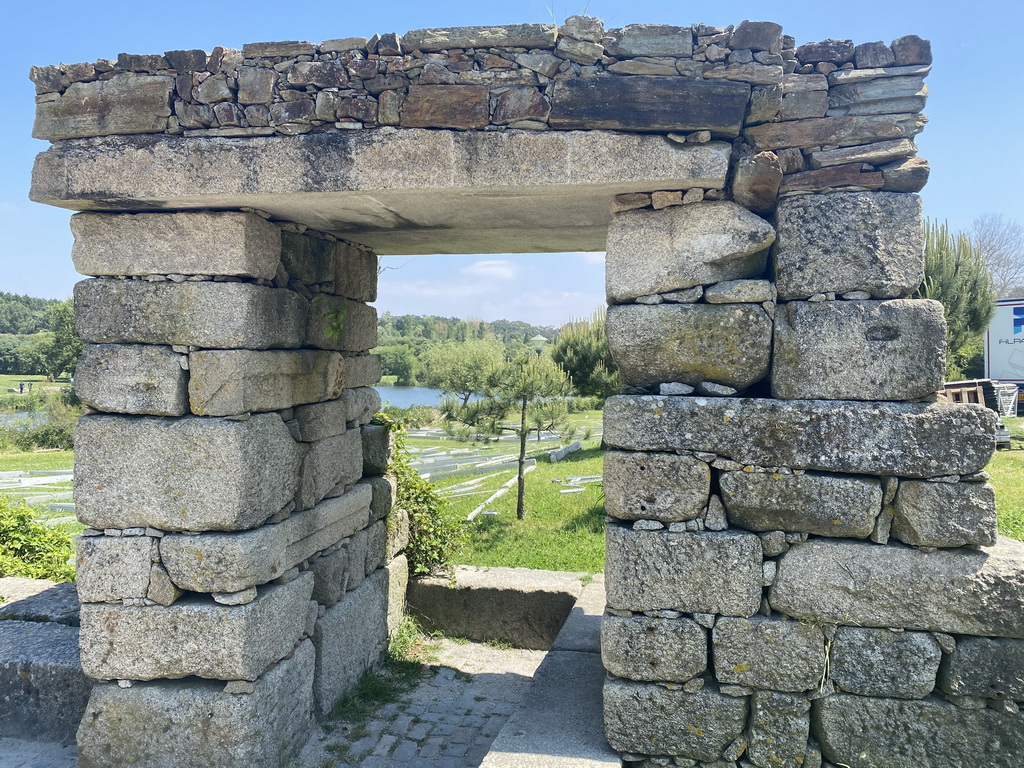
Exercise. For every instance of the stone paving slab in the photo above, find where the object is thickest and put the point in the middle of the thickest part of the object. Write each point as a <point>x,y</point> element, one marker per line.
<point>448,721</point>
<point>18,753</point>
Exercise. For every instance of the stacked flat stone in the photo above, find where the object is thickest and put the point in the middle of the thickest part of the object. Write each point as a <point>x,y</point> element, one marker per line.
<point>802,560</point>
<point>242,566</point>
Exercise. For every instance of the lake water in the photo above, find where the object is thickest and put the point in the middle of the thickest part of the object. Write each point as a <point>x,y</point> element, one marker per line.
<point>8,419</point>
<point>404,397</point>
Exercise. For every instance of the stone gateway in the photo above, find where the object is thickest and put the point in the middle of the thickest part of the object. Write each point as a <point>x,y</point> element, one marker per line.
<point>803,567</point>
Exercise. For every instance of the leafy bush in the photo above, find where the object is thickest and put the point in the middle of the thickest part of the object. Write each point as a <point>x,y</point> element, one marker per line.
<point>414,416</point>
<point>434,535</point>
<point>32,549</point>
<point>62,411</point>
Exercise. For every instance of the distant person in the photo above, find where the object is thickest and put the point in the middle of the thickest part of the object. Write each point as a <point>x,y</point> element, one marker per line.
<point>21,387</point>
<point>30,387</point>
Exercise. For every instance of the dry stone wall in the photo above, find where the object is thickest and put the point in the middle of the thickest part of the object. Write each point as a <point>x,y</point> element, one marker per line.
<point>242,550</point>
<point>802,565</point>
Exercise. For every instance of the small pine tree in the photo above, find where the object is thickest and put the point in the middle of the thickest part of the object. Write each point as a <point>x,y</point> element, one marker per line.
<point>582,352</point>
<point>955,275</point>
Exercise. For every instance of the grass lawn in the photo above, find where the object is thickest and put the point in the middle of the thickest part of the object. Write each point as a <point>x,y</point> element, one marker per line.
<point>1007,470</point>
<point>11,381</point>
<point>26,461</point>
<point>561,532</point>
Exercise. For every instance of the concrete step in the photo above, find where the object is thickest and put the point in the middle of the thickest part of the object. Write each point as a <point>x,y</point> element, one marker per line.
<point>559,723</point>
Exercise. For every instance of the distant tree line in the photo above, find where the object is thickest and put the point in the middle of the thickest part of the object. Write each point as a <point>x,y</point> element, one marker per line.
<point>37,336</point>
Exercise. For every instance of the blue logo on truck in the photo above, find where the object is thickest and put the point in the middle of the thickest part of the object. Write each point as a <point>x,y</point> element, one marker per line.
<point>1018,320</point>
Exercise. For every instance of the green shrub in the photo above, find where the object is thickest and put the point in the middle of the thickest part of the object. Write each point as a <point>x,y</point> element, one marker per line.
<point>435,536</point>
<point>32,549</point>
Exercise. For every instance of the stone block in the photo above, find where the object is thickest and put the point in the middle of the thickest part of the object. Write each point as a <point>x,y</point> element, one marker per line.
<point>779,726</point>
<point>111,568</point>
<point>234,381</point>
<point>195,636</point>
<point>446,106</point>
<point>200,243</point>
<point>189,474</point>
<point>649,103</point>
<point>360,404</point>
<point>376,547</point>
<point>822,504</point>
<point>362,370</point>
<point>232,562</point>
<point>845,131</point>
<point>329,462</point>
<point>945,514</point>
<point>650,40</point>
<point>506,36</point>
<point>961,591</point>
<point>43,690</point>
<point>867,732</point>
<point>883,662</point>
<point>307,260</point>
<point>330,577</point>
<point>126,103</point>
<point>355,272</point>
<point>398,584</point>
<point>206,314</point>
<point>879,153</point>
<point>897,439</point>
<point>849,241</point>
<point>647,718</point>
<point>834,177</point>
<point>984,667</point>
<point>728,344</point>
<point>683,246</point>
<point>357,547</point>
<point>384,488</point>
<point>768,652</point>
<point>908,175</point>
<point>349,640</point>
<point>645,648</point>
<point>859,350</point>
<point>690,572</point>
<point>378,444</point>
<point>655,486</point>
<point>156,724</point>
<point>132,378</point>
<point>321,420</point>
<point>343,325</point>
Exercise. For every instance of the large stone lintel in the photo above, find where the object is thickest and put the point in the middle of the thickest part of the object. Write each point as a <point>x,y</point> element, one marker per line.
<point>906,439</point>
<point>396,190</point>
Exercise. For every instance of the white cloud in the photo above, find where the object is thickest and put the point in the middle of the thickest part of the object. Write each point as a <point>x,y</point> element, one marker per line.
<point>499,269</point>
<point>593,258</point>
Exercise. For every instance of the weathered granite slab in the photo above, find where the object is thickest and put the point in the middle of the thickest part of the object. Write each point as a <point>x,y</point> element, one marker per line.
<point>645,648</point>
<point>126,103</point>
<point>505,36</point>
<point>655,486</point>
<point>38,600</point>
<point>198,719</point>
<point>883,662</point>
<point>201,243</point>
<point>985,667</point>
<point>132,378</point>
<point>195,636</point>
<point>225,382</point>
<point>822,504</point>
<point>690,572</point>
<point>961,591</point>
<point>111,568</point>
<point>206,314</point>
<point>945,514</point>
<point>859,350</point>
<point>646,717</point>
<point>768,652</point>
<point>650,103</point>
<point>188,474</point>
<point>727,344</point>
<point>679,247</point>
<point>909,440</point>
<point>849,241</point>
<point>232,562</point>
<point>867,732</point>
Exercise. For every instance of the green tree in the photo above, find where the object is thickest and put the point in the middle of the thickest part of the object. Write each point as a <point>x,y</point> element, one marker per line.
<point>65,347</point>
<point>956,275</point>
<point>461,369</point>
<point>398,360</point>
<point>525,388</point>
<point>581,350</point>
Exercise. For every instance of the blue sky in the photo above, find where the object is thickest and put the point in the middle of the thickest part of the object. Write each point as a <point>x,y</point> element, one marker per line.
<point>972,141</point>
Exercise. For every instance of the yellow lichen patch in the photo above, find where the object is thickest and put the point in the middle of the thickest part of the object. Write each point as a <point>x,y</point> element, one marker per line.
<point>740,668</point>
